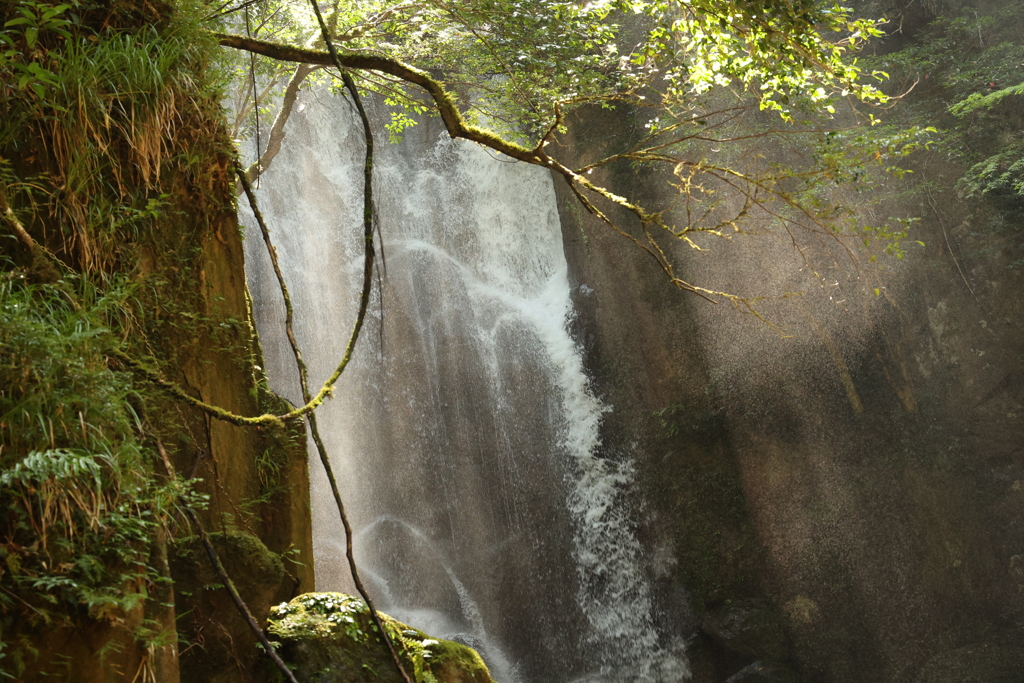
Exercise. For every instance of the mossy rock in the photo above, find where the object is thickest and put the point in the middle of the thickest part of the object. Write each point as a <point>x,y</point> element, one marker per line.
<point>247,559</point>
<point>330,637</point>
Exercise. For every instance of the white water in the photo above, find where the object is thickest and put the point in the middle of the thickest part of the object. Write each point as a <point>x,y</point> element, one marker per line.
<point>465,435</point>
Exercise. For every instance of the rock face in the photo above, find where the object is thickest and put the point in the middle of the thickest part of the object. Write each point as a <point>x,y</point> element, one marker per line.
<point>747,627</point>
<point>329,637</point>
<point>137,601</point>
<point>859,478</point>
<point>978,663</point>
<point>259,575</point>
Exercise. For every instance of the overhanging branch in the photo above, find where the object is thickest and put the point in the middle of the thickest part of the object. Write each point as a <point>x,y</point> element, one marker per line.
<point>457,127</point>
<point>450,115</point>
<point>453,121</point>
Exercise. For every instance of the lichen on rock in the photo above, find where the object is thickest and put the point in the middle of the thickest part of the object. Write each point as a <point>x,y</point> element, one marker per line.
<point>327,637</point>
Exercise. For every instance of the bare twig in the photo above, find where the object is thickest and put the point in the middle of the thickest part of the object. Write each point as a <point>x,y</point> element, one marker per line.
<point>43,258</point>
<point>942,224</point>
<point>243,609</point>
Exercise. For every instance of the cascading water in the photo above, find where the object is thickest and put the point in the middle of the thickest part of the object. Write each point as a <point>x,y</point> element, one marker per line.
<point>464,434</point>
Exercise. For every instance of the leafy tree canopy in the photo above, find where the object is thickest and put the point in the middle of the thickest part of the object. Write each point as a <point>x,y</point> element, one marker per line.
<point>517,58</point>
<point>506,73</point>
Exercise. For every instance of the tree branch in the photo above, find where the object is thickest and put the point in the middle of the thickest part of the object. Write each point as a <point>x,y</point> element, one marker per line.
<point>277,133</point>
<point>16,226</point>
<point>453,121</point>
<point>179,393</point>
<point>44,260</point>
<point>577,181</point>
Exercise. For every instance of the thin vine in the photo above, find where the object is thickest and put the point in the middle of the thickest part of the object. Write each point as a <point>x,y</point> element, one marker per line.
<point>363,304</point>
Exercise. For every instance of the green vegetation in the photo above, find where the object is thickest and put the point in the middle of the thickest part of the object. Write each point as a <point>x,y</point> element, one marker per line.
<point>82,504</point>
<point>115,184</point>
<point>696,74</point>
<point>553,52</point>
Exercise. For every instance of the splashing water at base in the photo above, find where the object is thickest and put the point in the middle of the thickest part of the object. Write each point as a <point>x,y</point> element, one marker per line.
<point>465,435</point>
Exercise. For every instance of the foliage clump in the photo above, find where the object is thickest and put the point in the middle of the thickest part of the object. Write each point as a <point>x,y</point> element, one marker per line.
<point>695,78</point>
<point>94,119</point>
<point>81,502</point>
<point>113,177</point>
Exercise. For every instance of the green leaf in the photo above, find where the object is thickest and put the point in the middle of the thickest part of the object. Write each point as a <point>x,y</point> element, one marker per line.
<point>54,11</point>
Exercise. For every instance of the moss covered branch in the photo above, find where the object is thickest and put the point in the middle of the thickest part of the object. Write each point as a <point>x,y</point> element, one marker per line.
<point>456,125</point>
<point>177,392</point>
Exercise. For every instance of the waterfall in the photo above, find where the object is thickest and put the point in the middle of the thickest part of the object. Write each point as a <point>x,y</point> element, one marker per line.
<point>464,434</point>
